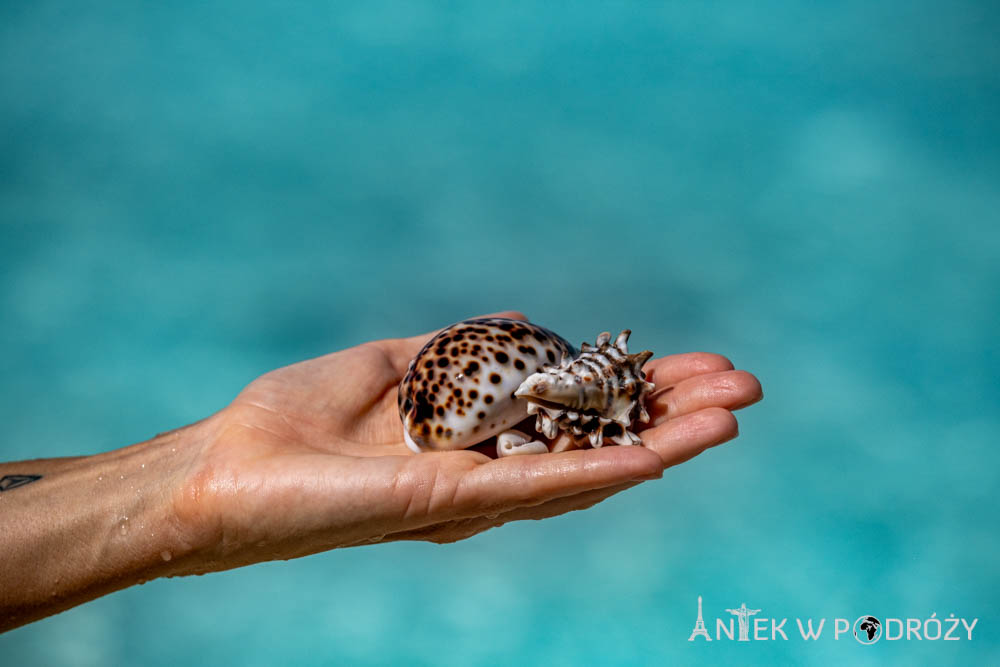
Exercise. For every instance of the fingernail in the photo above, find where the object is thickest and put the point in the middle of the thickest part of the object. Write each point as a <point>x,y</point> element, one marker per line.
<point>647,478</point>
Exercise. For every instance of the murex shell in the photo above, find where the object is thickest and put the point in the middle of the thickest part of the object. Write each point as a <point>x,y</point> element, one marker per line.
<point>481,377</point>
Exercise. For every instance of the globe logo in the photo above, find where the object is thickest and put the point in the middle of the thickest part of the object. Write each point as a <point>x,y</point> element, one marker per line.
<point>867,629</point>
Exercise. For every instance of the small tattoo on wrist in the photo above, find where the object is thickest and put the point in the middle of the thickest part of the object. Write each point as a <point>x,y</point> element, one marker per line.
<point>8,482</point>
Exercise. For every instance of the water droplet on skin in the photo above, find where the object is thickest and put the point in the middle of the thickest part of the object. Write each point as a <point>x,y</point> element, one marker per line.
<point>143,465</point>
<point>492,516</point>
<point>376,538</point>
<point>166,555</point>
<point>100,478</point>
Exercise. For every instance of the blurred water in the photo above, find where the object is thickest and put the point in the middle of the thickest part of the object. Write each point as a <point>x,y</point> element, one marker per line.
<point>194,193</point>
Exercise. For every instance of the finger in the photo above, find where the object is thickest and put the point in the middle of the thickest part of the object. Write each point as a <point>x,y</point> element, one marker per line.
<point>729,389</point>
<point>669,370</point>
<point>505,484</point>
<point>683,438</point>
<point>453,531</point>
<point>580,501</point>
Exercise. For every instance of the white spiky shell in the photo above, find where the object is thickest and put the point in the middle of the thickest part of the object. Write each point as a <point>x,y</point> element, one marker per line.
<point>596,395</point>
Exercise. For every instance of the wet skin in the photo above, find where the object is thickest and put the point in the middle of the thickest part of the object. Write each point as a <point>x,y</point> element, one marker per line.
<point>308,458</point>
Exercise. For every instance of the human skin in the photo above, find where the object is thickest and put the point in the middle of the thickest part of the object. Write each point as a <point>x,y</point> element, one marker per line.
<point>310,457</point>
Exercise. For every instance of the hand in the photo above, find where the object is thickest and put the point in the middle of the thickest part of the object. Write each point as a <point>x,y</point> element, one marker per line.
<point>310,457</point>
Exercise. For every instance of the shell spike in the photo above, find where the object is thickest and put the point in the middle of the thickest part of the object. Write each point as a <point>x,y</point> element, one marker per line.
<point>633,439</point>
<point>546,425</point>
<point>604,338</point>
<point>622,341</point>
<point>638,360</point>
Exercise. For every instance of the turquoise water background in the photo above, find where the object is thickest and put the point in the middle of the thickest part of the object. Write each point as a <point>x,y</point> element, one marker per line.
<point>192,194</point>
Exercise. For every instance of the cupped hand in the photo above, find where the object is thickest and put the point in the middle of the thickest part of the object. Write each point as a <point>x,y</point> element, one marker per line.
<point>311,457</point>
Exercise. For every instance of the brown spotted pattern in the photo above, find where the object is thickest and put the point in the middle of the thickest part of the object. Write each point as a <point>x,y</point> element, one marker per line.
<point>459,389</point>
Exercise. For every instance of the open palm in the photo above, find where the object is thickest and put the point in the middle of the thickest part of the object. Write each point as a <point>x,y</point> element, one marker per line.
<point>311,457</point>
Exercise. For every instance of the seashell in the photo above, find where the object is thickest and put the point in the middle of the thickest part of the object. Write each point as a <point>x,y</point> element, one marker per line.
<point>481,377</point>
<point>459,389</point>
<point>513,442</point>
<point>596,395</point>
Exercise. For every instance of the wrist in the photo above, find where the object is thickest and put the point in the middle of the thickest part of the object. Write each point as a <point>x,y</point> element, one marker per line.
<point>204,494</point>
<point>93,525</point>
<point>189,515</point>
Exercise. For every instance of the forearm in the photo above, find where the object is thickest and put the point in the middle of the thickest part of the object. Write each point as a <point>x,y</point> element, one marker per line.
<point>91,525</point>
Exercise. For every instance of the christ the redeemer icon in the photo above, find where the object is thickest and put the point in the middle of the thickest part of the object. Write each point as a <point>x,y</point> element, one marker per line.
<point>744,614</point>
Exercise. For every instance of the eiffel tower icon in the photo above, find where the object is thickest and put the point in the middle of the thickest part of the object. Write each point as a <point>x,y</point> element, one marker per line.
<point>699,626</point>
